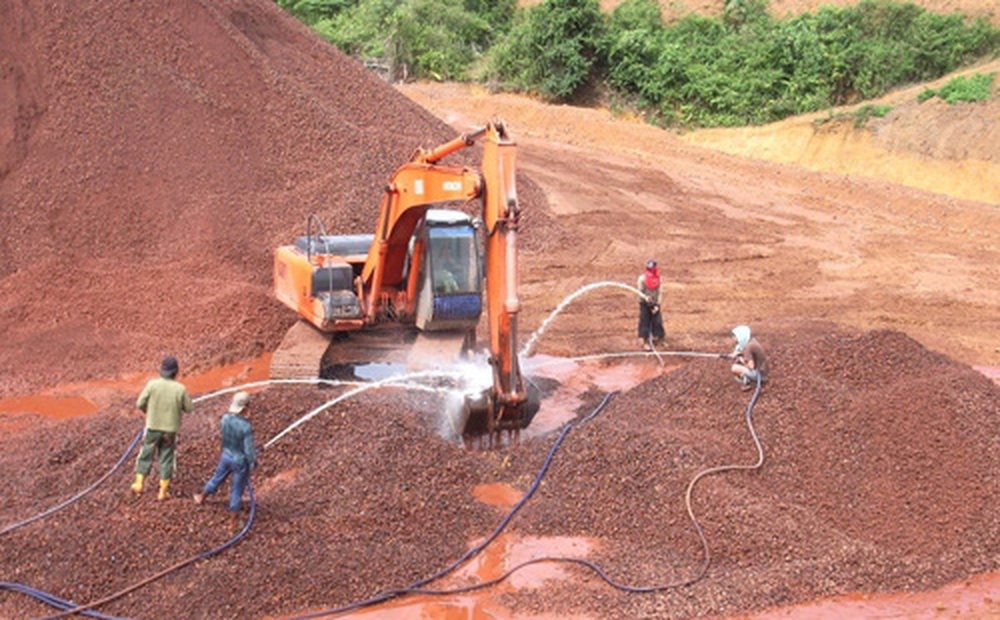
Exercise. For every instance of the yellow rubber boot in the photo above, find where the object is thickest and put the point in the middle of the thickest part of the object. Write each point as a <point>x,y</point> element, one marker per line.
<point>137,485</point>
<point>164,487</point>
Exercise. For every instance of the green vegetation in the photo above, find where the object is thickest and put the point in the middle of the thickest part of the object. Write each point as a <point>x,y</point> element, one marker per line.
<point>976,87</point>
<point>439,39</point>
<point>867,111</point>
<point>741,68</point>
<point>551,49</point>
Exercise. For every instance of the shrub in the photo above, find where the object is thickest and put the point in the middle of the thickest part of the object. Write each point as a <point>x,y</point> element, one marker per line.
<point>409,38</point>
<point>976,87</point>
<point>550,49</point>
<point>869,111</point>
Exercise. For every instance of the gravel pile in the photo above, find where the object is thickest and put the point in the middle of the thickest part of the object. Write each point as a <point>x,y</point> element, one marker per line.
<point>879,474</point>
<point>159,152</point>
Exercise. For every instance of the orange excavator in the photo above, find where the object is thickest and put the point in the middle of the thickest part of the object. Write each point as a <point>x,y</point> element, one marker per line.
<point>424,269</point>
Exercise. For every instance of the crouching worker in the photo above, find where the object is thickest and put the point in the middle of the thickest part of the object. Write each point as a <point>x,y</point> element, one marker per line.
<point>749,360</point>
<point>237,459</point>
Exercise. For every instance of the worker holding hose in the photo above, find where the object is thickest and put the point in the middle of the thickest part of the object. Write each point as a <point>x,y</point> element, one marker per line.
<point>238,457</point>
<point>749,359</point>
<point>164,400</point>
<point>650,319</point>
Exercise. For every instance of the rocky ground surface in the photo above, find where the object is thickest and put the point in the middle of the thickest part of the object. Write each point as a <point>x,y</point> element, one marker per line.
<point>153,156</point>
<point>878,474</point>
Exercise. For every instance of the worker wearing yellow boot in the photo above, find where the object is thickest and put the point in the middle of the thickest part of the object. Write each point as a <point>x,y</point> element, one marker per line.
<point>164,400</point>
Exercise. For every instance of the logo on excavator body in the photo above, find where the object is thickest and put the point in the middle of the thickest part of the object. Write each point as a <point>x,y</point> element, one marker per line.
<point>418,187</point>
<point>452,186</point>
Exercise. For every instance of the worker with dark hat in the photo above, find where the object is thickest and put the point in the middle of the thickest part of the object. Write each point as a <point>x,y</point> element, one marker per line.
<point>164,400</point>
<point>650,320</point>
<point>238,456</point>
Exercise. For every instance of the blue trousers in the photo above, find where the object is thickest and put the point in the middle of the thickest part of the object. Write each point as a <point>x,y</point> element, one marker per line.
<point>240,471</point>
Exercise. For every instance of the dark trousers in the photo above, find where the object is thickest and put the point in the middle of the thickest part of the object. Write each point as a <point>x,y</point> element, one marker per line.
<point>160,442</point>
<point>650,325</point>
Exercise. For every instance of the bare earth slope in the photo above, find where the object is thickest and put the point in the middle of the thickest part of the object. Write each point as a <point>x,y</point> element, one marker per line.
<point>673,9</point>
<point>745,240</point>
<point>948,149</point>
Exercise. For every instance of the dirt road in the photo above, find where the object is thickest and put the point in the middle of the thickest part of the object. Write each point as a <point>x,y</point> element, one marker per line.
<point>741,240</point>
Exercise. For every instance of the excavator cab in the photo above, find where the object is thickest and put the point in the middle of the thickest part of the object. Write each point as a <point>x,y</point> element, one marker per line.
<point>451,296</point>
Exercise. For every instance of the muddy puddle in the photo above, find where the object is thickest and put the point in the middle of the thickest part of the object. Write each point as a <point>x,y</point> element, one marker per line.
<point>78,399</point>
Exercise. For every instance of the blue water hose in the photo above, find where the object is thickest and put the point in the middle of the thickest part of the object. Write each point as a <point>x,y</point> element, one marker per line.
<point>51,600</point>
<point>78,496</point>
<point>417,586</point>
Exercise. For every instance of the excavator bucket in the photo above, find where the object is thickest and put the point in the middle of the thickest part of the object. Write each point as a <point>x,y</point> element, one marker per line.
<point>483,417</point>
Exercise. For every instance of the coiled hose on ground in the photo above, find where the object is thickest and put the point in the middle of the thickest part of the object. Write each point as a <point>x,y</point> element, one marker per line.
<point>417,587</point>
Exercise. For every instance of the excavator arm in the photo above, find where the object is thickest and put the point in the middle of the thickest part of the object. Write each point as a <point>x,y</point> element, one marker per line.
<point>413,188</point>
<point>501,217</point>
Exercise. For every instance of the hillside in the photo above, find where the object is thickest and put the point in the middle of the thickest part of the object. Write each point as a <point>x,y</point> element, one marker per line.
<point>153,156</point>
<point>671,9</point>
<point>948,149</point>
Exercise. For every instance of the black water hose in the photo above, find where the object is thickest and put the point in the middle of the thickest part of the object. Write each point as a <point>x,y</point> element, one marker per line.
<point>78,496</point>
<point>53,601</point>
<point>414,588</point>
<point>179,565</point>
<point>700,574</point>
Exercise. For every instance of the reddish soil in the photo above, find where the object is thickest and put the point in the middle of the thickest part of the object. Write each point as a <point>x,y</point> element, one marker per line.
<point>153,155</point>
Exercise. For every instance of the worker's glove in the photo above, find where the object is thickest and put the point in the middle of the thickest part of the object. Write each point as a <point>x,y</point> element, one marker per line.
<point>654,309</point>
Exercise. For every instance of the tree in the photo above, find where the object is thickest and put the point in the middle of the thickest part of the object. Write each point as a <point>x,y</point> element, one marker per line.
<point>551,49</point>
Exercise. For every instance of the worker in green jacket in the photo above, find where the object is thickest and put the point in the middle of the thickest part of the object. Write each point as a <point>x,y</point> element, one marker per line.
<point>164,400</point>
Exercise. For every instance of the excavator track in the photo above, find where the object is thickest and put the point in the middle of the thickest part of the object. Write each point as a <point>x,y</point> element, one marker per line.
<point>300,354</point>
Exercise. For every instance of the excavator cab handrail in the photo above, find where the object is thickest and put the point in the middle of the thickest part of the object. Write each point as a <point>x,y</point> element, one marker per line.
<point>321,236</point>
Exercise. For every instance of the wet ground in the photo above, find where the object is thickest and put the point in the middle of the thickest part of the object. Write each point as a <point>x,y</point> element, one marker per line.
<point>975,597</point>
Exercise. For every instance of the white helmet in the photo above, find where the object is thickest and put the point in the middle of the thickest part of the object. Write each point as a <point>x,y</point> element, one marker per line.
<point>742,335</point>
